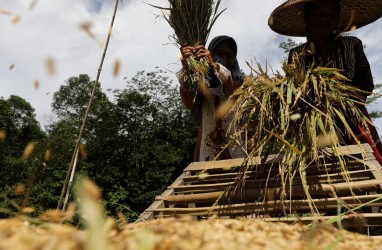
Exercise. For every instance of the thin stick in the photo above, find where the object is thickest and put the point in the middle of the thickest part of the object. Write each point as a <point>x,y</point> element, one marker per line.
<point>67,185</point>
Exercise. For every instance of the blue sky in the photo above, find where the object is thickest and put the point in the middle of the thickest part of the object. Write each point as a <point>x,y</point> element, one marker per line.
<point>139,41</point>
<point>95,5</point>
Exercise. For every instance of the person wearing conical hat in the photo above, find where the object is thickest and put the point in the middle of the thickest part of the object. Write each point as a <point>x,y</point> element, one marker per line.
<point>322,22</point>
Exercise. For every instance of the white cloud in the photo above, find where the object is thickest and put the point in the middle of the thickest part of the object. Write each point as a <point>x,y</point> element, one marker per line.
<point>139,41</point>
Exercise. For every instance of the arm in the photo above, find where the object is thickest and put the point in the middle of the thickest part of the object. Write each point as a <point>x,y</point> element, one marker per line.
<point>189,98</point>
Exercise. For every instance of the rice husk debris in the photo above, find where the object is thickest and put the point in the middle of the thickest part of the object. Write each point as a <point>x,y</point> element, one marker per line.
<point>185,233</point>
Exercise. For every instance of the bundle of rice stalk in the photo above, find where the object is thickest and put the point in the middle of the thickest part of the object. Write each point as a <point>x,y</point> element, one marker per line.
<point>298,115</point>
<point>192,21</point>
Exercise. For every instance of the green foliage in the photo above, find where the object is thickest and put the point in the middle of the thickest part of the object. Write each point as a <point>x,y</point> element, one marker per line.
<point>134,146</point>
<point>288,45</point>
<point>158,135</point>
<point>373,98</point>
<point>18,123</point>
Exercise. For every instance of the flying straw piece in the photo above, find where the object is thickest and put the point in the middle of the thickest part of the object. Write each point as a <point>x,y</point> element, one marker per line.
<point>32,4</point>
<point>15,19</point>
<point>3,135</point>
<point>28,150</point>
<point>36,84</point>
<point>50,66</point>
<point>86,26</point>
<point>116,68</point>
<point>5,12</point>
<point>82,151</point>
<point>47,156</point>
<point>20,189</point>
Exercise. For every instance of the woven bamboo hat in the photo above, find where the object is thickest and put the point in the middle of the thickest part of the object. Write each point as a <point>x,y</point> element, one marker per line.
<point>288,18</point>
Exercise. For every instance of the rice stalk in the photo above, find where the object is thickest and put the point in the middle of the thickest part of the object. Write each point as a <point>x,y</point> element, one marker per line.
<point>192,21</point>
<point>299,115</point>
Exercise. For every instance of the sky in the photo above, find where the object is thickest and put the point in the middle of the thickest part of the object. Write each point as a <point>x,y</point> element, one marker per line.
<point>41,41</point>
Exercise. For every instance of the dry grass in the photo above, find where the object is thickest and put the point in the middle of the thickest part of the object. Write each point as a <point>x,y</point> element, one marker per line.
<point>192,21</point>
<point>297,116</point>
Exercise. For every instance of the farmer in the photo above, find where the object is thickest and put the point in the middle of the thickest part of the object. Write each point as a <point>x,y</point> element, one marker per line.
<point>321,22</point>
<point>224,77</point>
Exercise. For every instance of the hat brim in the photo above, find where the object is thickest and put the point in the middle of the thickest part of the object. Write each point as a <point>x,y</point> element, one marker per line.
<point>288,18</point>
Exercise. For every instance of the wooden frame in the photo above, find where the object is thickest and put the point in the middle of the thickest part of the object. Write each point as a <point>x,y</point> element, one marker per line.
<point>213,193</point>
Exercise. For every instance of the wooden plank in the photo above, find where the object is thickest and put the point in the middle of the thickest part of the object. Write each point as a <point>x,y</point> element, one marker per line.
<point>254,194</point>
<point>372,163</point>
<point>276,205</point>
<point>324,217</point>
<point>347,150</point>
<point>215,167</point>
<point>334,168</point>
<point>250,183</point>
<point>256,212</point>
<point>231,177</point>
<point>228,165</point>
<point>241,211</point>
<point>370,219</point>
<point>232,163</point>
<point>159,203</point>
<point>189,189</point>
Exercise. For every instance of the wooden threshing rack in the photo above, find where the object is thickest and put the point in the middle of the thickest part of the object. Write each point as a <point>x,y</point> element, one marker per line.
<point>208,188</point>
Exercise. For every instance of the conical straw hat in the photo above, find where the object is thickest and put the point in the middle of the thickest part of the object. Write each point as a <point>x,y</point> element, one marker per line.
<point>288,18</point>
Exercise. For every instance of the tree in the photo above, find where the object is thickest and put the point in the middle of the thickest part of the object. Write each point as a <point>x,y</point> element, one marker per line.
<point>157,133</point>
<point>18,123</point>
<point>70,103</point>
<point>373,98</point>
<point>288,45</point>
<point>134,146</point>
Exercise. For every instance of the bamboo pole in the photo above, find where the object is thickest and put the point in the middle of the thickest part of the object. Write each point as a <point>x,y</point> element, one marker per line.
<point>67,184</point>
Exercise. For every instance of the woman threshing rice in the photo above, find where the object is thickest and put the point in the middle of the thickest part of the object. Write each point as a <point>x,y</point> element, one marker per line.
<point>224,77</point>
<point>322,21</point>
